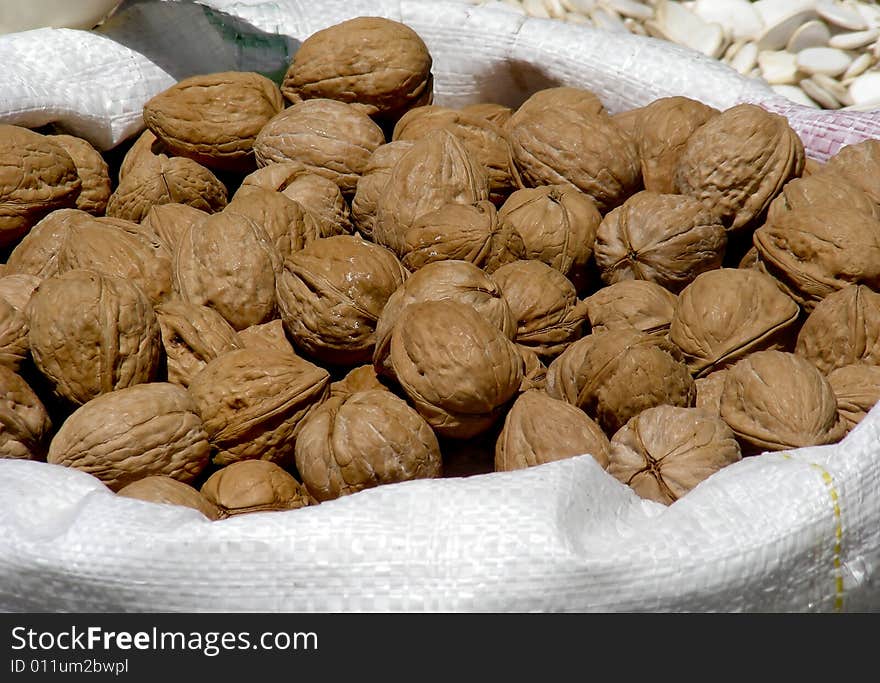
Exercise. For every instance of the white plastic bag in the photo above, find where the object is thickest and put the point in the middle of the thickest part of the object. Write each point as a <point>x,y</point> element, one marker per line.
<point>794,531</point>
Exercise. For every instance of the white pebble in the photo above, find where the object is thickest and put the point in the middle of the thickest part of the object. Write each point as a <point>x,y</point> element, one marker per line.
<point>859,66</point>
<point>841,15</point>
<point>795,94</point>
<point>865,88</point>
<point>631,8</point>
<point>814,33</point>
<point>778,67</point>
<point>853,41</point>
<point>820,94</point>
<point>739,18</point>
<point>746,58</point>
<point>823,60</point>
<point>777,34</point>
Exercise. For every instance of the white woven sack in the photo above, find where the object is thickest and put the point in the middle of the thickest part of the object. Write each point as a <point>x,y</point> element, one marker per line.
<point>795,531</point>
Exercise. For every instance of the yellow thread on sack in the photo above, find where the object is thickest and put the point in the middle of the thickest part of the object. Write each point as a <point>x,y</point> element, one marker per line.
<point>838,531</point>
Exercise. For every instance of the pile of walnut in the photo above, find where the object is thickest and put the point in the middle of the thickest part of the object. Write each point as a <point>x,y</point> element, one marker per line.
<point>282,296</point>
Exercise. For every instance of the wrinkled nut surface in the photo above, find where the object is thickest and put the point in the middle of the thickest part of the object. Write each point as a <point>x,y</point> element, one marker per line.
<point>437,170</point>
<point>330,295</point>
<point>458,370</point>
<point>544,304</point>
<point>14,328</point>
<point>662,130</point>
<point>499,114</point>
<point>17,289</point>
<point>641,304</point>
<point>159,488</point>
<point>25,426</point>
<point>270,335</point>
<point>816,251</point>
<point>93,172</point>
<point>563,97</point>
<point>540,429</point>
<point>627,121</point>
<point>192,335</point>
<point>664,452</point>
<point>214,118</point>
<point>857,390</point>
<point>361,378</point>
<point>534,370</point>
<point>467,232</point>
<point>709,390</point>
<point>252,401</point>
<point>37,177</point>
<point>614,375</point>
<point>371,184</point>
<point>825,190</point>
<point>558,226</point>
<point>728,313</point>
<point>323,200</point>
<point>161,179</point>
<point>91,334</point>
<point>444,280</point>
<point>230,264</point>
<point>843,329</point>
<point>366,439</point>
<point>857,164</point>
<point>37,252</point>
<point>253,486</point>
<point>666,238</point>
<point>606,166</point>
<point>378,64</point>
<point>130,433</point>
<point>330,138</point>
<point>145,146</point>
<point>169,221</point>
<point>775,400</point>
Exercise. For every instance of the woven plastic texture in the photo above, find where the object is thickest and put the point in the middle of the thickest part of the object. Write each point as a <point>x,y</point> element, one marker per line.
<point>794,531</point>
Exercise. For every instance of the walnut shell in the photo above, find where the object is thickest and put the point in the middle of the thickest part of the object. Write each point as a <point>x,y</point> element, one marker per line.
<point>192,335</point>
<point>816,251</point>
<point>641,304</point>
<point>544,304</point>
<point>728,313</point>
<point>444,280</point>
<point>666,238</point>
<point>496,113</point>
<point>464,232</point>
<point>458,370</point>
<point>361,378</point>
<point>37,253</point>
<point>332,139</point>
<point>14,345</point>
<point>709,390</point>
<point>614,375</point>
<point>844,328</point>
<point>25,426</point>
<point>858,164</point>
<point>664,452</point>
<point>774,400</point>
<point>628,121</point>
<point>159,488</point>
<point>366,439</point>
<point>330,295</point>
<point>827,189</point>
<point>564,97</point>
<point>605,167</point>
<point>378,64</point>
<point>857,390</point>
<point>540,429</point>
<point>169,221</point>
<point>558,226</point>
<point>131,433</point>
<point>437,170</point>
<point>662,131</point>
<point>93,172</point>
<point>270,335</point>
<point>165,180</point>
<point>38,176</point>
<point>534,370</point>
<point>17,289</point>
<point>254,486</point>
<point>145,146</point>
<point>229,263</point>
<point>214,118</point>
<point>738,161</point>
<point>92,333</point>
<point>253,401</point>
<point>372,183</point>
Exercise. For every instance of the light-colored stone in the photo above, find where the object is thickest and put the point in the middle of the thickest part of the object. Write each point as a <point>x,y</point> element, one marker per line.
<point>738,18</point>
<point>844,15</point>
<point>823,60</point>
<point>866,88</point>
<point>778,66</point>
<point>795,94</point>
<point>777,34</point>
<point>814,33</point>
<point>820,94</point>
<point>746,58</point>
<point>859,66</point>
<point>855,40</point>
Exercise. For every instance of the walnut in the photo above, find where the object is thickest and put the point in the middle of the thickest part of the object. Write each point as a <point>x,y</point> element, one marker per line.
<point>738,161</point>
<point>844,328</point>
<point>214,118</point>
<point>253,486</point>
<point>437,170</point>
<point>499,114</point>
<point>17,289</point>
<point>662,131</point>
<point>558,226</point>
<point>366,439</point>
<point>160,488</point>
<point>93,172</point>
<point>709,390</point>
<point>627,121</point>
<point>377,64</point>
<point>774,400</point>
<point>857,164</point>
<point>169,221</point>
<point>25,426</point>
<point>857,390</point>
<point>39,176</point>
<point>14,345</point>
<point>372,183</point>
<point>330,295</point>
<point>641,304</point>
<point>615,374</point>
<point>361,378</point>
<point>728,313</point>
<point>270,335</point>
<point>131,433</point>
<point>534,370</point>
<point>827,190</point>
<point>666,238</point>
<point>332,139</point>
<point>145,146</point>
<point>92,333</point>
<point>458,370</point>
<point>664,452</point>
<point>229,263</point>
<point>37,253</point>
<point>564,97</point>
<point>253,401</point>
<point>544,304</point>
<point>539,429</point>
